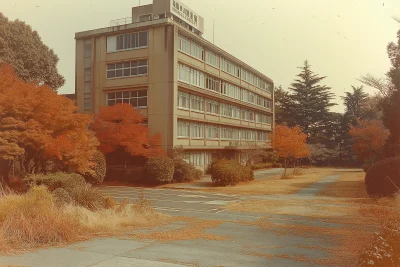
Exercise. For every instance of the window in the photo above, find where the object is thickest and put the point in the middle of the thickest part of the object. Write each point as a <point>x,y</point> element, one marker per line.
<point>137,99</point>
<point>268,104</point>
<point>262,136</point>
<point>197,78</point>
<point>212,106</point>
<point>231,111</point>
<point>128,41</point>
<point>87,98</point>
<point>184,73</point>
<point>127,69</point>
<point>197,51</point>
<point>196,130</point>
<point>196,159</point>
<point>230,68</point>
<point>183,100</point>
<point>212,132</point>
<point>212,83</point>
<point>230,133</point>
<point>196,103</point>
<point>231,90</point>
<point>183,128</point>
<point>184,45</point>
<point>212,59</point>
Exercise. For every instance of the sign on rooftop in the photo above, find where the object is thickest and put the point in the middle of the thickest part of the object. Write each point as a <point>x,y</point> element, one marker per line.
<point>186,14</point>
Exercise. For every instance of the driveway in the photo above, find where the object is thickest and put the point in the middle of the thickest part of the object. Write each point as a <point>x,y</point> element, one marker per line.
<point>244,242</point>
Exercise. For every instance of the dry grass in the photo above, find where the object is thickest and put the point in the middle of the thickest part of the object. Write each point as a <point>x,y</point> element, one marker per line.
<point>350,185</point>
<point>32,220</point>
<point>194,229</point>
<point>348,241</point>
<point>276,185</point>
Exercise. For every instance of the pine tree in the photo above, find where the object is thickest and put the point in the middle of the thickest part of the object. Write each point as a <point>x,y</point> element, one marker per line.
<point>311,103</point>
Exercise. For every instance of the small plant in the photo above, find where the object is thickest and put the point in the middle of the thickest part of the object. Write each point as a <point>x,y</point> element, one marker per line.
<point>260,166</point>
<point>185,172</point>
<point>88,197</point>
<point>142,205</point>
<point>160,169</point>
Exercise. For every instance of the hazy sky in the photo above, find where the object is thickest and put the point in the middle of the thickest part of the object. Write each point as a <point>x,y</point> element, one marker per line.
<point>342,39</point>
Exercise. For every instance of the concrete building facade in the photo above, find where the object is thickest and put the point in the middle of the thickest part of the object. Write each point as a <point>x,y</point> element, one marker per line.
<point>192,92</point>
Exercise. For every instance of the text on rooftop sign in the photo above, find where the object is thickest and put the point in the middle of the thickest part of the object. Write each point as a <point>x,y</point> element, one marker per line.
<point>185,13</point>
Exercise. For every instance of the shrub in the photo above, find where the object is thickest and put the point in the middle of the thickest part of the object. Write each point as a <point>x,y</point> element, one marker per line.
<point>277,165</point>
<point>383,178</point>
<point>185,172</point>
<point>87,197</point>
<point>98,170</point>
<point>160,169</point>
<point>230,172</point>
<point>56,180</point>
<point>61,197</point>
<point>260,166</point>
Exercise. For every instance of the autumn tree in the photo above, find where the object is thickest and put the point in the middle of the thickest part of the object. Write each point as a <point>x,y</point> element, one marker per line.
<point>39,128</point>
<point>289,143</point>
<point>22,48</point>
<point>369,137</point>
<point>121,127</point>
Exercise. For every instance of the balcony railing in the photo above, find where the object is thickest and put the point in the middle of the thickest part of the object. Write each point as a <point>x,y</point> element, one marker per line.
<point>123,21</point>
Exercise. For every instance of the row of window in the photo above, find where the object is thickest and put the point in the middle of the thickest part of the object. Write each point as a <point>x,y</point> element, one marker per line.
<point>196,103</point>
<point>137,99</point>
<point>127,69</point>
<point>198,158</point>
<point>192,48</point>
<point>198,78</point>
<point>186,129</point>
<point>132,40</point>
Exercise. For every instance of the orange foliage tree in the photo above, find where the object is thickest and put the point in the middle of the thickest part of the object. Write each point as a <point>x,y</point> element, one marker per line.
<point>289,143</point>
<point>121,127</point>
<point>369,138</point>
<point>39,128</point>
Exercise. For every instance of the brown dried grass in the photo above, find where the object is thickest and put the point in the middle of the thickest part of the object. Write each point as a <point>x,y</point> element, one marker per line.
<point>194,229</point>
<point>276,185</point>
<point>32,220</point>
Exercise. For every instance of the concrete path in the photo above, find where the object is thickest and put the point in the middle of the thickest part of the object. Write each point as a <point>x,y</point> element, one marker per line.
<point>248,245</point>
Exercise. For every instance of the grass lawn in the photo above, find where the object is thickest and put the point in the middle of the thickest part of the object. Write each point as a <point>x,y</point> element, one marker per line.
<point>350,185</point>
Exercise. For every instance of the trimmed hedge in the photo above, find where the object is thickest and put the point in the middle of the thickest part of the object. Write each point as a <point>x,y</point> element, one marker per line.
<point>56,180</point>
<point>98,171</point>
<point>377,180</point>
<point>159,169</point>
<point>185,172</point>
<point>230,172</point>
<point>260,166</point>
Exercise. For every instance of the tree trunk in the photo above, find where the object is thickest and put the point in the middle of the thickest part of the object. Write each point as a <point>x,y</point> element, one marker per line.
<point>5,170</point>
<point>284,174</point>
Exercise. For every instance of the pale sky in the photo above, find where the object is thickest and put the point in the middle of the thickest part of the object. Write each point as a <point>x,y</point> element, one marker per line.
<point>342,39</point>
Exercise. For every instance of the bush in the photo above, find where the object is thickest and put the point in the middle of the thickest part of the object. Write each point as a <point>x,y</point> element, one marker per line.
<point>260,166</point>
<point>230,172</point>
<point>88,197</point>
<point>185,172</point>
<point>160,169</point>
<point>56,180</point>
<point>61,197</point>
<point>277,165</point>
<point>377,180</point>
<point>98,171</point>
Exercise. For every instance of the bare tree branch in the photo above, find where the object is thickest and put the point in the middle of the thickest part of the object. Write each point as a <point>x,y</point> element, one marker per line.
<point>381,84</point>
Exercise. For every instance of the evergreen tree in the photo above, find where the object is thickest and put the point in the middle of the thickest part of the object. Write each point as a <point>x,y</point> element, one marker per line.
<point>311,103</point>
<point>391,104</point>
<point>283,104</point>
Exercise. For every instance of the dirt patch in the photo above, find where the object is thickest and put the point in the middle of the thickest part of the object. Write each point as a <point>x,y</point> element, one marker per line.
<point>194,229</point>
<point>274,184</point>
